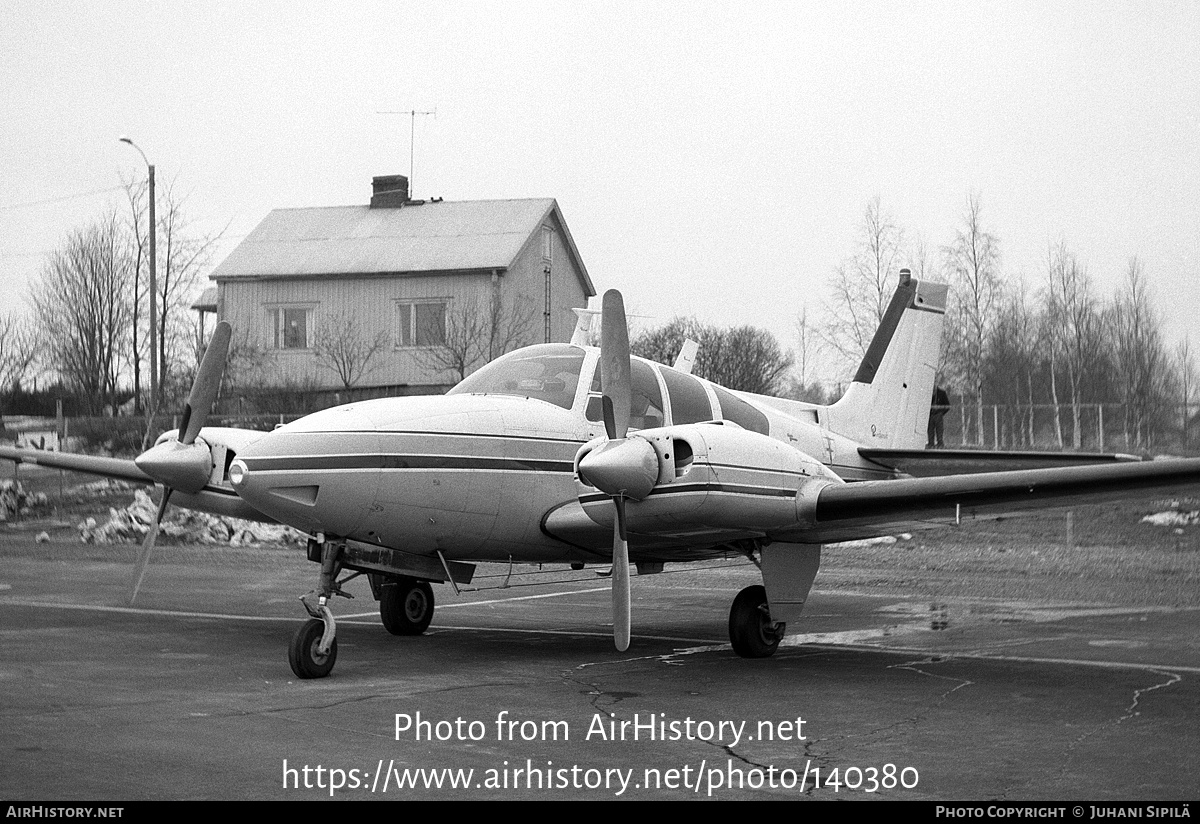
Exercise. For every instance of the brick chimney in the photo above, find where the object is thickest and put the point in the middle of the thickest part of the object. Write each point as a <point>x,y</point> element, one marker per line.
<point>389,191</point>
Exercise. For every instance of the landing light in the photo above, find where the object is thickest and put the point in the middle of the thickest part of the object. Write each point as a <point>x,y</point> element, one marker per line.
<point>237,472</point>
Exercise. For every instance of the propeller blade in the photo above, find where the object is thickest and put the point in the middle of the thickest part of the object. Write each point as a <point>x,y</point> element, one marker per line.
<point>148,546</point>
<point>206,385</point>
<point>620,579</point>
<point>614,365</point>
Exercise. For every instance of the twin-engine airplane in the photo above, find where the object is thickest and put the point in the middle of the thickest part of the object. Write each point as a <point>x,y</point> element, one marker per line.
<point>572,454</point>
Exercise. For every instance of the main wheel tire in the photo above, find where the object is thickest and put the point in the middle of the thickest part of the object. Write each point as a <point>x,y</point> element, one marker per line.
<point>306,661</point>
<point>406,606</point>
<point>751,630</point>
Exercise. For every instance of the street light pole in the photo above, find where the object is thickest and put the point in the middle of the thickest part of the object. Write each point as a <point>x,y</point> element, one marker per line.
<point>153,286</point>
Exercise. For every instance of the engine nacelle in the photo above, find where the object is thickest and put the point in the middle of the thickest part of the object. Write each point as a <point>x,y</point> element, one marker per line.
<point>716,477</point>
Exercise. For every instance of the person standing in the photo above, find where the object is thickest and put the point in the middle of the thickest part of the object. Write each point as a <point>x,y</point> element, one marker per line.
<point>937,418</point>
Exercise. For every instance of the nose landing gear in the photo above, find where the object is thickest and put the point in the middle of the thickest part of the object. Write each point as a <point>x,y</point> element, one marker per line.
<point>313,650</point>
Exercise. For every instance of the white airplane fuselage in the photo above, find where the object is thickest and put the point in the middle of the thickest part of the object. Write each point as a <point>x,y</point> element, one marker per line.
<point>492,476</point>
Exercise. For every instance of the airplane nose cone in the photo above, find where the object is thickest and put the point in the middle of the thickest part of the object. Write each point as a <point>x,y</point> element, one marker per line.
<point>185,467</point>
<point>318,474</point>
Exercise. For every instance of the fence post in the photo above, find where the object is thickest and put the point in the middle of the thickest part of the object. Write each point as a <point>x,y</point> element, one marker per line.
<point>1101,408</point>
<point>996,427</point>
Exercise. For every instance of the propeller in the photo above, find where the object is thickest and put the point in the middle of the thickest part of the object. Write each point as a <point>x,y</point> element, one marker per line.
<point>184,464</point>
<point>622,467</point>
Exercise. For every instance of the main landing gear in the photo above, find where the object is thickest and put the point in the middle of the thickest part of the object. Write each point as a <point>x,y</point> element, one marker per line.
<point>751,631</point>
<point>405,605</point>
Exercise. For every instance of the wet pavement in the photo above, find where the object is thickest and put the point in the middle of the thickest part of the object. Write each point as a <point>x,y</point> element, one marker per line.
<point>518,692</point>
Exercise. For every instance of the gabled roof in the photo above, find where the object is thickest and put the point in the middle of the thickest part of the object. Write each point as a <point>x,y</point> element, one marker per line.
<point>430,237</point>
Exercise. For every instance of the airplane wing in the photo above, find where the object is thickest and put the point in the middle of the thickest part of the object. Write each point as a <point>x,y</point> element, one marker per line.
<point>926,463</point>
<point>119,468</point>
<point>686,523</point>
<point>871,508</point>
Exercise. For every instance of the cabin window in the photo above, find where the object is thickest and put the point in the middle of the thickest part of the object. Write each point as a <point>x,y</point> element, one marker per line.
<point>645,402</point>
<point>689,401</point>
<point>549,372</point>
<point>646,405</point>
<point>291,327</point>
<point>422,323</point>
<point>743,414</point>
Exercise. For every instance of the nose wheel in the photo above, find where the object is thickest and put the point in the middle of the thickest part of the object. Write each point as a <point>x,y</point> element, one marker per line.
<point>305,655</point>
<point>313,650</point>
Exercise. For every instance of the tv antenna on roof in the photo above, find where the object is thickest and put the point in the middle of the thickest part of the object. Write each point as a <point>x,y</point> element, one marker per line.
<point>412,124</point>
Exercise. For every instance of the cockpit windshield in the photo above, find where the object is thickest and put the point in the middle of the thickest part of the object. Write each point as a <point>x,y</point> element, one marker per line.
<point>549,372</point>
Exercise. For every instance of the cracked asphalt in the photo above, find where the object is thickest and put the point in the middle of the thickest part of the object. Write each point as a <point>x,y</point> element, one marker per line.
<point>892,694</point>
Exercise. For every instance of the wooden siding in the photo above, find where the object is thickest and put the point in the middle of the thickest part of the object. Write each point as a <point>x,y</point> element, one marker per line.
<point>373,303</point>
<point>527,278</point>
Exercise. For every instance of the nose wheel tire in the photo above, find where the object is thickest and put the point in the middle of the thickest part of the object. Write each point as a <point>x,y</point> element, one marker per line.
<point>303,655</point>
<point>751,631</point>
<point>406,606</point>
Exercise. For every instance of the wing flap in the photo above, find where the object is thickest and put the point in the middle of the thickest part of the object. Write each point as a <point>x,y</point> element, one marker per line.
<point>927,463</point>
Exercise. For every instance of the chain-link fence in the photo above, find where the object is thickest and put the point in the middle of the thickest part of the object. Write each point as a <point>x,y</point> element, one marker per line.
<point>1090,427</point>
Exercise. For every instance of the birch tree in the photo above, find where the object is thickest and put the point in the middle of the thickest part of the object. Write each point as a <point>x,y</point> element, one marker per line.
<point>1075,329</point>
<point>862,286</point>
<point>972,262</point>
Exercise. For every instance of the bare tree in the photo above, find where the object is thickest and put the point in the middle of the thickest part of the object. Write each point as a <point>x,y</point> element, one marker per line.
<point>247,365</point>
<point>1141,358</point>
<point>1075,328</point>
<point>808,345</point>
<point>476,334</point>
<point>740,357</point>
<point>862,286</point>
<point>82,304</point>
<point>340,347</point>
<point>921,259</point>
<point>18,352</point>
<point>973,262</point>
<point>1013,361</point>
<point>1185,367</point>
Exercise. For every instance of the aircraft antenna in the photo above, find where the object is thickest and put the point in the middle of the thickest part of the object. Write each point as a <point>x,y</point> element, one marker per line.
<point>412,129</point>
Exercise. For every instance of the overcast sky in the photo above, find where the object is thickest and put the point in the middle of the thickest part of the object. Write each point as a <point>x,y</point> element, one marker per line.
<point>710,159</point>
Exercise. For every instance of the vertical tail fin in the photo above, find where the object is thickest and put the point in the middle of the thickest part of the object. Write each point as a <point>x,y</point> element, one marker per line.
<point>887,404</point>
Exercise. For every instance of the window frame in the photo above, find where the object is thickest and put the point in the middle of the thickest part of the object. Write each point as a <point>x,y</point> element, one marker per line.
<point>277,318</point>
<point>413,326</point>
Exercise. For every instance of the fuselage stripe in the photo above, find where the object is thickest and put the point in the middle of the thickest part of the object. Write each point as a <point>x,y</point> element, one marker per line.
<point>319,463</point>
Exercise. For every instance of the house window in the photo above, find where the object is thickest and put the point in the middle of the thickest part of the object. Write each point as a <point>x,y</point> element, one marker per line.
<point>422,323</point>
<point>547,244</point>
<point>291,327</point>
